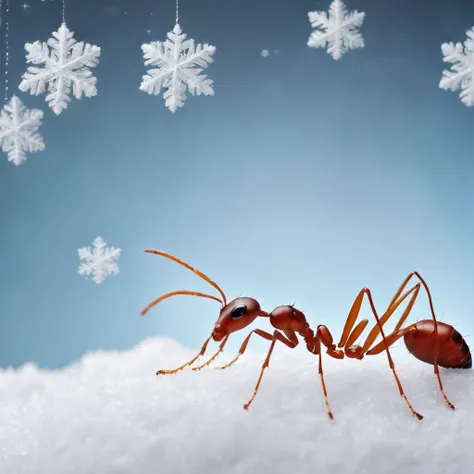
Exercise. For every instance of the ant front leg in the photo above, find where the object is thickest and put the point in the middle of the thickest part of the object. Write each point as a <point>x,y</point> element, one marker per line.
<point>221,348</point>
<point>244,345</point>
<point>290,340</point>
<point>201,352</point>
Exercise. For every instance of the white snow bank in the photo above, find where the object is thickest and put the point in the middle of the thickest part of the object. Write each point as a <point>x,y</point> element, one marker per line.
<point>111,414</point>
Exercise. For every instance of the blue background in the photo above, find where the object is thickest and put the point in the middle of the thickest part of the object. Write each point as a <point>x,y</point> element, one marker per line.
<point>302,180</point>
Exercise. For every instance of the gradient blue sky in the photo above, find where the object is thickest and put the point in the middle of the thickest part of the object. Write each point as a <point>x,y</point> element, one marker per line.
<point>302,180</point>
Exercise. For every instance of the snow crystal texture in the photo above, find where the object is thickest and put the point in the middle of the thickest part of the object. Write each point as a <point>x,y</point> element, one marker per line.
<point>110,413</point>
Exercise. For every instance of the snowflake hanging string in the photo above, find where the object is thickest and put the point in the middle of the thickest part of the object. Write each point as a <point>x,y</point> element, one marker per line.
<point>100,261</point>
<point>338,29</point>
<point>178,64</point>
<point>66,66</point>
<point>462,70</point>
<point>19,130</point>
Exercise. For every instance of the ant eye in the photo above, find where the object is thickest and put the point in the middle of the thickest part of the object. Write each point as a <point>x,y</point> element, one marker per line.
<point>238,311</point>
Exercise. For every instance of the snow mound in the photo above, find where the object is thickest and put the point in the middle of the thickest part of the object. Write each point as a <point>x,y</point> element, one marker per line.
<point>110,413</point>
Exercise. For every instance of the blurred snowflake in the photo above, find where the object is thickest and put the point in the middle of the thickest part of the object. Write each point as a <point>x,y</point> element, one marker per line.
<point>338,29</point>
<point>462,69</point>
<point>100,261</point>
<point>19,130</point>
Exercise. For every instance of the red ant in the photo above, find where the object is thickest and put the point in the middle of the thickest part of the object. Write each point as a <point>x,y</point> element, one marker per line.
<point>430,341</point>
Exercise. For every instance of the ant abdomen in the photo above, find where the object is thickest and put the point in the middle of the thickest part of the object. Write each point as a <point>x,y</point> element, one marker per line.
<point>288,317</point>
<point>453,352</point>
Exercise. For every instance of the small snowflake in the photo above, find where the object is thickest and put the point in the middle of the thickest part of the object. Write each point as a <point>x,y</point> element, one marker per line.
<point>338,29</point>
<point>178,65</point>
<point>462,69</point>
<point>66,66</point>
<point>19,130</point>
<point>100,261</point>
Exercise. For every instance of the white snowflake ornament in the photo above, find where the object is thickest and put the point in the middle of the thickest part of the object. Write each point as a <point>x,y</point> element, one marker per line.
<point>19,130</point>
<point>178,65</point>
<point>338,29</point>
<point>100,261</point>
<point>462,69</point>
<point>65,67</point>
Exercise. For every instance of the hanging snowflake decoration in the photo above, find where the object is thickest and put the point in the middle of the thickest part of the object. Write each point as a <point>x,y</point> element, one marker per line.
<point>65,67</point>
<point>100,261</point>
<point>338,29</point>
<point>178,64</point>
<point>19,130</point>
<point>462,70</point>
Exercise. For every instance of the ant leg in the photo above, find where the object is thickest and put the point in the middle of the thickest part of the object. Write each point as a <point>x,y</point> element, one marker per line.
<point>181,367</point>
<point>436,347</point>
<point>321,373</point>
<point>391,309</point>
<point>393,305</point>
<point>221,348</point>
<point>389,356</point>
<point>351,319</point>
<point>243,347</point>
<point>277,336</point>
<point>357,351</point>
<point>390,340</point>
<point>347,337</point>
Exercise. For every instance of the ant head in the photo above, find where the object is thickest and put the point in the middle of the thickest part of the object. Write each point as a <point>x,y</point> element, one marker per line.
<point>236,315</point>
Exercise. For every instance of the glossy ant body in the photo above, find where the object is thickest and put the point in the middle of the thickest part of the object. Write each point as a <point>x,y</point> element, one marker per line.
<point>430,341</point>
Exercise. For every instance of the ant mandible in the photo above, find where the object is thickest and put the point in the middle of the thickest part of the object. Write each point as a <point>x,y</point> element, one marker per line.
<point>430,341</point>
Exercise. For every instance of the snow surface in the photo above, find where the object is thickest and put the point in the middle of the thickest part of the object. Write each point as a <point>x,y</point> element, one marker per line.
<point>110,413</point>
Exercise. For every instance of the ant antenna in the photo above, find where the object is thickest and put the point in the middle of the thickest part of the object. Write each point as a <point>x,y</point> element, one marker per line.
<point>189,267</point>
<point>179,292</point>
<point>223,301</point>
